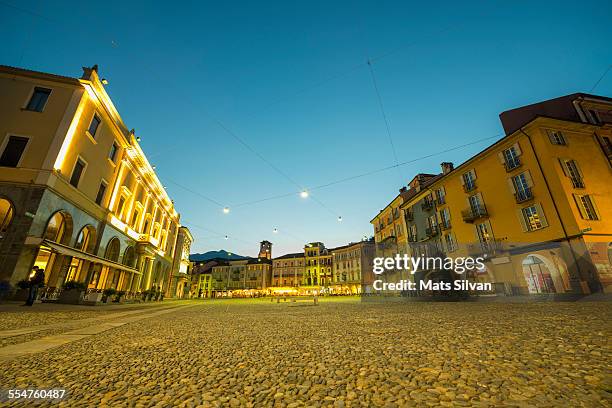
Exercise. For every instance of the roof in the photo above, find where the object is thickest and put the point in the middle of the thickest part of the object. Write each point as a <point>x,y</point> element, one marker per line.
<point>38,74</point>
<point>293,255</point>
<point>556,108</point>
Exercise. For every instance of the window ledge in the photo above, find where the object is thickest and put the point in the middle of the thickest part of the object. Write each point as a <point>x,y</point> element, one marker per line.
<point>90,136</point>
<point>110,161</point>
<point>31,110</point>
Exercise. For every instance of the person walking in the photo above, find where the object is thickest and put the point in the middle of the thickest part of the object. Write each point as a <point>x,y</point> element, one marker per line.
<point>37,279</point>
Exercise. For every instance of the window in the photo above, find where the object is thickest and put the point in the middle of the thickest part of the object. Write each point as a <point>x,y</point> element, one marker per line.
<point>135,218</point>
<point>556,137</point>
<point>38,100</point>
<point>571,170</point>
<point>522,187</point>
<point>469,180</point>
<point>533,218</point>
<point>511,158</point>
<point>120,207</point>
<point>594,117</point>
<point>484,233</point>
<point>112,155</point>
<point>101,191</point>
<point>587,208</point>
<point>94,125</point>
<point>15,146</point>
<point>77,172</point>
<point>451,245</point>
<point>474,203</point>
<point>445,218</point>
<point>441,196</point>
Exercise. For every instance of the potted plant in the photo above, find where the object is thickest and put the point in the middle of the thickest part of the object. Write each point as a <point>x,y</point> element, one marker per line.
<point>107,295</point>
<point>72,292</point>
<point>150,294</point>
<point>23,288</point>
<point>118,296</point>
<point>144,295</point>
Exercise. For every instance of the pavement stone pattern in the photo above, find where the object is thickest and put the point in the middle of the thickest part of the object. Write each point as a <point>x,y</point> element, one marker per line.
<point>341,353</point>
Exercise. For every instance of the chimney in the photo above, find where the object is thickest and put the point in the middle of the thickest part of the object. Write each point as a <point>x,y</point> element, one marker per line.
<point>447,167</point>
<point>403,189</point>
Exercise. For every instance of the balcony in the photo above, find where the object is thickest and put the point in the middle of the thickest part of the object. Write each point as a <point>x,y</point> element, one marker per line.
<point>431,231</point>
<point>523,195</point>
<point>577,182</point>
<point>471,186</point>
<point>445,224</point>
<point>427,205</point>
<point>511,164</point>
<point>485,249</point>
<point>472,214</point>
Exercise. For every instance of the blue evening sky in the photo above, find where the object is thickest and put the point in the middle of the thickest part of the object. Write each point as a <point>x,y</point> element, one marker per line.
<point>290,79</point>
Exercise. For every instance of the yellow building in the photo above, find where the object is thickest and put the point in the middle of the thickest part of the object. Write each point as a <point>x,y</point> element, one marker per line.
<point>318,267</point>
<point>78,197</point>
<point>535,204</point>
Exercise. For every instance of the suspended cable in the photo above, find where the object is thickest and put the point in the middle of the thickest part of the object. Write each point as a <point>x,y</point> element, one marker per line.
<point>384,115</point>
<point>601,78</point>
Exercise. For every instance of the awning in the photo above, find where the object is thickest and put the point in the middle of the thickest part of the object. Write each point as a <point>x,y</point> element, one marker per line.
<point>75,253</point>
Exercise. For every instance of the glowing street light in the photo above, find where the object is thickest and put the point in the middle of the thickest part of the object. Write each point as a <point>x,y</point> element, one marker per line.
<point>339,218</point>
<point>275,230</point>
<point>225,210</point>
<point>304,194</point>
<point>226,237</point>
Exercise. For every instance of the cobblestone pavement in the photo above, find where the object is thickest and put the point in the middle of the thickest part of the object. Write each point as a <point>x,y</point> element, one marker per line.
<point>340,353</point>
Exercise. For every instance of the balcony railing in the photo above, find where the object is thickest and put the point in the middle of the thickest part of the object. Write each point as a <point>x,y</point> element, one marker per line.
<point>427,205</point>
<point>523,195</point>
<point>441,200</point>
<point>577,182</point>
<point>431,231</point>
<point>472,214</point>
<point>467,187</point>
<point>445,224</point>
<point>512,164</point>
<point>412,238</point>
<point>487,248</point>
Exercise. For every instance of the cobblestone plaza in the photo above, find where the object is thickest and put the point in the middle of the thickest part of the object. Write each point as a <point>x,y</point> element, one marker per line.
<point>342,352</point>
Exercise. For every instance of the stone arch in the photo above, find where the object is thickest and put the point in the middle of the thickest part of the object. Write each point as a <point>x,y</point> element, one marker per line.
<point>129,256</point>
<point>7,212</point>
<point>112,249</point>
<point>545,274</point>
<point>59,228</point>
<point>86,239</point>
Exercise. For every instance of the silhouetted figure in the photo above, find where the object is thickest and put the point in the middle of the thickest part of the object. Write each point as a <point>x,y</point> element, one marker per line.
<point>36,281</point>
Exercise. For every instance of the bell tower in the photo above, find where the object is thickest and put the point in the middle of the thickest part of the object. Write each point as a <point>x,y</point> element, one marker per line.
<point>265,250</point>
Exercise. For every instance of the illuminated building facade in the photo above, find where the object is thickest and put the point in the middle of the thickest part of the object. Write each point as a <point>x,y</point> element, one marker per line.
<point>181,269</point>
<point>78,197</point>
<point>318,266</point>
<point>535,204</point>
<point>288,270</point>
<point>352,268</point>
<point>244,277</point>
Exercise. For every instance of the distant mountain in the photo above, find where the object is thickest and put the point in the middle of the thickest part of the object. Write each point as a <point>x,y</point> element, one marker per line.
<point>222,254</point>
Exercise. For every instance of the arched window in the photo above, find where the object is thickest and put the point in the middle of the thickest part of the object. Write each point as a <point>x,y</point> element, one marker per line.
<point>86,238</point>
<point>112,250</point>
<point>129,257</point>
<point>59,228</point>
<point>6,216</point>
